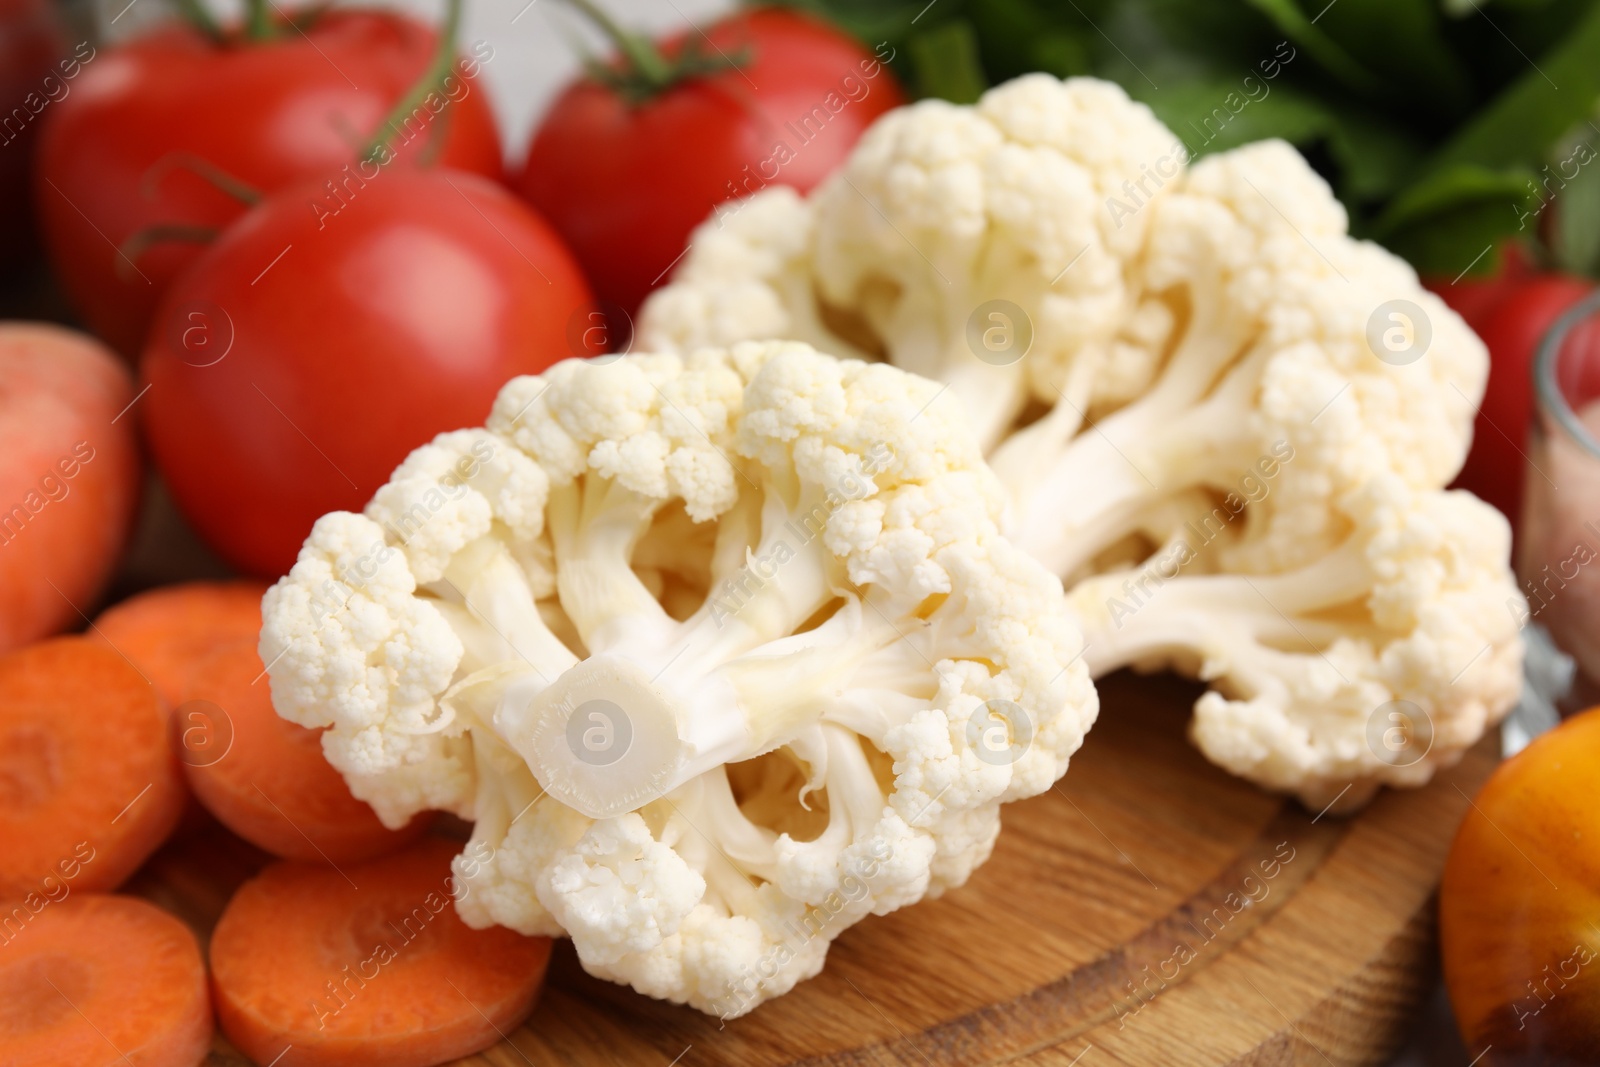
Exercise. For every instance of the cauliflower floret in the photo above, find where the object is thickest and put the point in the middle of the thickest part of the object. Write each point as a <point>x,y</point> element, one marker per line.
<point>1221,369</point>
<point>681,791</point>
<point>745,278</point>
<point>619,890</point>
<point>446,494</point>
<point>350,647</point>
<point>940,211</point>
<point>1423,645</point>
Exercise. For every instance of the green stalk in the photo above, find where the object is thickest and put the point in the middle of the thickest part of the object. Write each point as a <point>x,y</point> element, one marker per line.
<point>306,17</point>
<point>162,233</point>
<point>644,71</point>
<point>218,178</point>
<point>196,14</point>
<point>644,58</point>
<point>258,21</point>
<point>432,79</point>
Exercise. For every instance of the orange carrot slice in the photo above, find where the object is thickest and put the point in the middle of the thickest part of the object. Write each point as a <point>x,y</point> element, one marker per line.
<point>97,981</point>
<point>367,966</point>
<point>88,783</point>
<point>264,777</point>
<point>166,631</point>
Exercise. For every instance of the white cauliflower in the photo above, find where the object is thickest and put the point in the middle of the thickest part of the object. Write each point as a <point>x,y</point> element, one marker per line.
<point>721,653</point>
<point>1215,385</point>
<point>1401,626</point>
<point>368,658</point>
<point>940,210</point>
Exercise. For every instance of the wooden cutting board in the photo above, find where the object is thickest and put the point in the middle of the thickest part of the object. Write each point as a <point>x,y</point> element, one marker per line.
<point>1148,910</point>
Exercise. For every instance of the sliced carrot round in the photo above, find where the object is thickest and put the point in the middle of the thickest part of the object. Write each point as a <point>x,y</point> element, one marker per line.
<point>367,966</point>
<point>95,980</point>
<point>167,631</point>
<point>265,778</point>
<point>89,786</point>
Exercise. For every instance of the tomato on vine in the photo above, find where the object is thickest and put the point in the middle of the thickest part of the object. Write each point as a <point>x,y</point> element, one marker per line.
<point>635,154</point>
<point>165,140</point>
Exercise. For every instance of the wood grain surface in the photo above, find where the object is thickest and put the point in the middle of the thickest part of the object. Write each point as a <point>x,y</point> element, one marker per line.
<point>1150,910</point>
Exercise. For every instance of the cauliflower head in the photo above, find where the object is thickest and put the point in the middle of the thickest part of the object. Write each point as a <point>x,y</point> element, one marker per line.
<point>1199,371</point>
<point>719,652</point>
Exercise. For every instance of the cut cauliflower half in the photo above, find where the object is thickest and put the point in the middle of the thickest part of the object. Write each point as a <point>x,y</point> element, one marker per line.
<point>712,648</point>
<point>1201,346</point>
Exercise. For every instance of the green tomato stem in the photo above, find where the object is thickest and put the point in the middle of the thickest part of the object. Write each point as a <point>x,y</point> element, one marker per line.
<point>141,242</point>
<point>644,71</point>
<point>432,79</point>
<point>197,15</point>
<point>218,178</point>
<point>258,21</point>
<point>644,58</point>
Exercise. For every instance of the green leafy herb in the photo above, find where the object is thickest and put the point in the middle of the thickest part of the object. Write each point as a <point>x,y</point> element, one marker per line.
<point>945,59</point>
<point>1439,123</point>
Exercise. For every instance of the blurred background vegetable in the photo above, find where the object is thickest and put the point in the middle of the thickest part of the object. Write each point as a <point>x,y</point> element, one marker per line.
<point>1444,127</point>
<point>160,142</point>
<point>1512,314</point>
<point>31,41</point>
<point>632,157</point>
<point>69,477</point>
<point>1518,903</point>
<point>324,336</point>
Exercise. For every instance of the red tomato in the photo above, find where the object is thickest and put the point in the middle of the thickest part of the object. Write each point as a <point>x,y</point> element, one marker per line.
<point>1512,328</point>
<point>1475,298</point>
<point>69,476</point>
<point>299,360</point>
<point>626,183</point>
<point>266,113</point>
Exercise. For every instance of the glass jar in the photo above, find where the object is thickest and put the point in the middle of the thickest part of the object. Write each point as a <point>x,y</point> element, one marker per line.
<point>1558,545</point>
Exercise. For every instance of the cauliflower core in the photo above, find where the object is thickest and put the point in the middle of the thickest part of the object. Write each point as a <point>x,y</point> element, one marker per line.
<point>712,650</point>
<point>1226,424</point>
